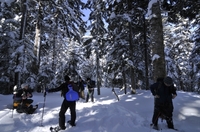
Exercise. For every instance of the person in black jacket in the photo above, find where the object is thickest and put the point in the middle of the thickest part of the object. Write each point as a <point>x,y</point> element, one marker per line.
<point>22,101</point>
<point>90,92</point>
<point>66,104</point>
<point>163,91</point>
<point>24,94</point>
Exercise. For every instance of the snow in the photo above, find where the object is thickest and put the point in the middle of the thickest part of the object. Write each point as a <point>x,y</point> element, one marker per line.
<point>8,2</point>
<point>149,14</point>
<point>155,57</point>
<point>112,16</point>
<point>106,114</point>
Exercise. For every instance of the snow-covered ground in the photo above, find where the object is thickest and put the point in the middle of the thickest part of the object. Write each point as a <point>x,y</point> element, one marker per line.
<point>132,113</point>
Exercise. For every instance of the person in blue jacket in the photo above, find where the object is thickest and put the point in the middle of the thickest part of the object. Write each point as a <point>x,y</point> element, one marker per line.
<point>163,91</point>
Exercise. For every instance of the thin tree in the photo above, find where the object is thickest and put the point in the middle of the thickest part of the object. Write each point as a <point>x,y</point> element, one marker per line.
<point>22,33</point>
<point>37,41</point>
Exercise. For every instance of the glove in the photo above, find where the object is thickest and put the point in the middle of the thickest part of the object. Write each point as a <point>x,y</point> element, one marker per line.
<point>174,96</point>
<point>156,96</point>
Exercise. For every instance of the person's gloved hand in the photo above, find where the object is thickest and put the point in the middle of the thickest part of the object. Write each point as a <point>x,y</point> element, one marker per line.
<point>174,96</point>
<point>156,96</point>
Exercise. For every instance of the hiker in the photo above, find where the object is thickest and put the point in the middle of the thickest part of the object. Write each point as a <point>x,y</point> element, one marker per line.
<point>66,104</point>
<point>22,101</point>
<point>90,88</point>
<point>81,88</point>
<point>163,91</point>
<point>24,94</point>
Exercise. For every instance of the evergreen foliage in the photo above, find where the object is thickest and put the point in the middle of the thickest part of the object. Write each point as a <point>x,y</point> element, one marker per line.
<point>113,55</point>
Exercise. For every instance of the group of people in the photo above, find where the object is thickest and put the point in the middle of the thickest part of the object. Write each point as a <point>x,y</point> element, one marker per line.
<point>22,99</point>
<point>23,103</point>
<point>163,91</point>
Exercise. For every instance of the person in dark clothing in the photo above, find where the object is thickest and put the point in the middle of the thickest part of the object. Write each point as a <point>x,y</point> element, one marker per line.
<point>24,94</point>
<point>81,84</point>
<point>81,88</point>
<point>90,92</point>
<point>163,91</point>
<point>66,104</point>
<point>22,101</point>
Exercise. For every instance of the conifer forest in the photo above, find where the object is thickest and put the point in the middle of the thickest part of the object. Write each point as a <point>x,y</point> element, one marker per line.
<point>118,43</point>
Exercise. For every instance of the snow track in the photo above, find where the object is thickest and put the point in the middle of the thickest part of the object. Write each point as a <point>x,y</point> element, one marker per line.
<point>106,114</point>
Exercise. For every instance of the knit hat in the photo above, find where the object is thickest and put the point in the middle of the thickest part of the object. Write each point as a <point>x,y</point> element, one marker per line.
<point>24,85</point>
<point>168,81</point>
<point>67,78</point>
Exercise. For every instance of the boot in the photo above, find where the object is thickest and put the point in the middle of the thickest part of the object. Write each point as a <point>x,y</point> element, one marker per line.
<point>71,123</point>
<point>170,124</point>
<point>154,126</point>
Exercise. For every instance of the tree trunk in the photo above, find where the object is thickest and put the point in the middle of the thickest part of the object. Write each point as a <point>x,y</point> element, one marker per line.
<point>132,73</point>
<point>36,63</point>
<point>124,81</point>
<point>54,46</point>
<point>157,42</point>
<point>21,37</point>
<point>146,56</point>
<point>98,76</point>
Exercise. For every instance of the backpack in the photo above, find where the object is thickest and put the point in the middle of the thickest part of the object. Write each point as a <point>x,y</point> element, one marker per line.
<point>71,95</point>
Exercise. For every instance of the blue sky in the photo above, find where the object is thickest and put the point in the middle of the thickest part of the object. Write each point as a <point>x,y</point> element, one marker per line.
<point>86,12</point>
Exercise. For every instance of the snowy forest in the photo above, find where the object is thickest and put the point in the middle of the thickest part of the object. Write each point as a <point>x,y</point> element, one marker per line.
<point>123,43</point>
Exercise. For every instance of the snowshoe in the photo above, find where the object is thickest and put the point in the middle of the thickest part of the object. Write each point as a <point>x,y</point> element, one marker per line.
<point>55,129</point>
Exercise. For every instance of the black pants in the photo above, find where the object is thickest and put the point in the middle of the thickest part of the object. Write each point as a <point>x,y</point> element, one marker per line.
<point>27,101</point>
<point>65,105</point>
<point>90,94</point>
<point>164,110</point>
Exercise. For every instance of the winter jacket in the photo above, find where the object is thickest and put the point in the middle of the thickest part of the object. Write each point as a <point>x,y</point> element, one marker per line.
<point>90,84</point>
<point>163,92</point>
<point>24,93</point>
<point>81,85</point>
<point>64,88</point>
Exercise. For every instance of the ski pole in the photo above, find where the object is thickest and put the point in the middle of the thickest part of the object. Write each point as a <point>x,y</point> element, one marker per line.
<point>13,105</point>
<point>43,106</point>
